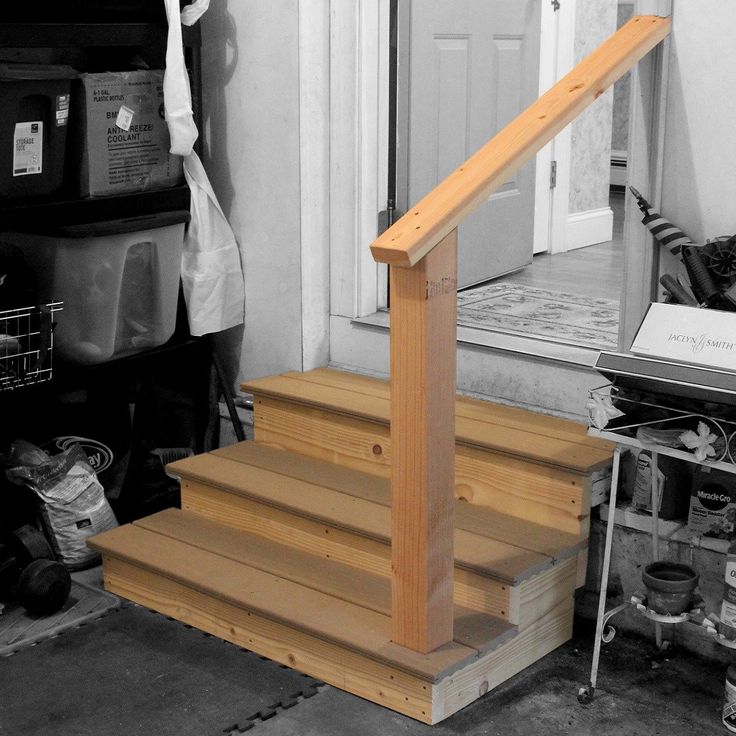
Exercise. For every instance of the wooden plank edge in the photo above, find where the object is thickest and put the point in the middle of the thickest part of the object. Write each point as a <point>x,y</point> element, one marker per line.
<point>472,682</point>
<point>353,481</point>
<point>477,630</point>
<point>479,593</point>
<point>439,663</point>
<point>465,406</point>
<point>593,459</point>
<point>585,444</point>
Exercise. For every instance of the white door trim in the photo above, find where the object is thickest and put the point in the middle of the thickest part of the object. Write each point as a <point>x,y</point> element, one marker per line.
<point>358,76</point>
<point>556,58</point>
<point>357,169</point>
<point>649,80</point>
<point>314,161</point>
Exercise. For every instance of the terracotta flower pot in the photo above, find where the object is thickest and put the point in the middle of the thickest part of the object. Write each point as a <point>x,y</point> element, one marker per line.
<point>669,586</point>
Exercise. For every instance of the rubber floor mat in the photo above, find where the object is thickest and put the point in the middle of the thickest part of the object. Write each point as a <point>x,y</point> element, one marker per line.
<point>19,629</point>
<point>137,673</point>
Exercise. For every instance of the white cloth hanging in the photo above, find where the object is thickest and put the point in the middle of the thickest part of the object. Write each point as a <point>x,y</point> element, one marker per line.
<point>211,270</point>
<point>211,273</point>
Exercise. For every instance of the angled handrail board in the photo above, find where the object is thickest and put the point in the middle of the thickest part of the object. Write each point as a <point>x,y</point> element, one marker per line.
<point>421,252</point>
<point>440,212</point>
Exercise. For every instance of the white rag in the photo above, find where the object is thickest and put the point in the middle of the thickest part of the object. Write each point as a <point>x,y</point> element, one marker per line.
<point>211,270</point>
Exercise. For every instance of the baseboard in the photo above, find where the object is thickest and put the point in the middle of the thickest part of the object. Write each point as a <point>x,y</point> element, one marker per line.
<point>619,163</point>
<point>589,227</point>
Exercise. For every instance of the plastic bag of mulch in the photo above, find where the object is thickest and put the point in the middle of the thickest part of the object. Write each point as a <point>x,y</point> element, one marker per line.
<point>71,501</point>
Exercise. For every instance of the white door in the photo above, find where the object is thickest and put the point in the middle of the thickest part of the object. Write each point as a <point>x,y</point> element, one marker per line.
<point>467,68</point>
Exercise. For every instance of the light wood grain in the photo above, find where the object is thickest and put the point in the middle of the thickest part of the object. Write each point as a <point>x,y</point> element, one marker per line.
<point>479,519</point>
<point>466,686</point>
<point>542,594</point>
<point>423,353</point>
<point>540,493</point>
<point>472,590</point>
<point>550,440</point>
<point>340,622</point>
<point>336,579</point>
<point>442,210</point>
<point>330,509</point>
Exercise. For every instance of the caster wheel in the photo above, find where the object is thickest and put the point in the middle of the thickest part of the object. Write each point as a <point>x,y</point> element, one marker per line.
<point>585,696</point>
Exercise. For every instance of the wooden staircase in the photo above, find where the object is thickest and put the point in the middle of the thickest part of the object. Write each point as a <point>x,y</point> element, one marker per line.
<point>282,545</point>
<point>296,547</point>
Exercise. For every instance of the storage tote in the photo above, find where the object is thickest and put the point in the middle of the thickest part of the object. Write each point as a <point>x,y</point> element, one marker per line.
<point>119,281</point>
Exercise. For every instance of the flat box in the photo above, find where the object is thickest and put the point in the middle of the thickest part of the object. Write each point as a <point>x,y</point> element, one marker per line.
<point>712,503</point>
<point>122,136</point>
<point>704,337</point>
<point>668,378</point>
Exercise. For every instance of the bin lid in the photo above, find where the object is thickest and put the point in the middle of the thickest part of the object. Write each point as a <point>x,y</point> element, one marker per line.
<point>126,225</point>
<point>28,72</point>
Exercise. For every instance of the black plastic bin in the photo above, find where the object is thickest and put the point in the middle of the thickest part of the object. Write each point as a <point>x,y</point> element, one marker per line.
<point>88,11</point>
<point>35,101</point>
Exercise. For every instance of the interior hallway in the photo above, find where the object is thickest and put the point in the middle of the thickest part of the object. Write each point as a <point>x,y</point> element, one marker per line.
<point>595,271</point>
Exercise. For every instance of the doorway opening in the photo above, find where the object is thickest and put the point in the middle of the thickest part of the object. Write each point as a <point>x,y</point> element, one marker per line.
<point>570,297</point>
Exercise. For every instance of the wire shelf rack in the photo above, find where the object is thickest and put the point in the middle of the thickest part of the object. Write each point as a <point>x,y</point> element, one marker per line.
<point>624,429</point>
<point>26,345</point>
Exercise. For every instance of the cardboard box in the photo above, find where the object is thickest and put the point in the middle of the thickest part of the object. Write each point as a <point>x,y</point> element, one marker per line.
<point>688,335</point>
<point>122,134</point>
<point>712,503</point>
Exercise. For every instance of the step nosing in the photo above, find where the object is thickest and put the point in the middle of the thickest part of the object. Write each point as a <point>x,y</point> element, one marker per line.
<point>383,655</point>
<point>487,572</point>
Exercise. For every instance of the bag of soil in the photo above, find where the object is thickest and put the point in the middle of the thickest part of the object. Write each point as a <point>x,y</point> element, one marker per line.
<point>71,501</point>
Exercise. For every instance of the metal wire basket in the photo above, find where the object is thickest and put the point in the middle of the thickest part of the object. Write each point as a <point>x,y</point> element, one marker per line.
<point>26,345</point>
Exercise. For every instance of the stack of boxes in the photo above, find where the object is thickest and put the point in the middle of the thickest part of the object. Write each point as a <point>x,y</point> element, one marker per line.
<point>69,135</point>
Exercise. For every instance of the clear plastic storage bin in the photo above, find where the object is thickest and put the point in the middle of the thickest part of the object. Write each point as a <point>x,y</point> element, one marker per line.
<point>119,281</point>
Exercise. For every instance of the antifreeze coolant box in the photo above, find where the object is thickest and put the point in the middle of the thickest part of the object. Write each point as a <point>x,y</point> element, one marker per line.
<point>35,101</point>
<point>119,282</point>
<point>122,137</point>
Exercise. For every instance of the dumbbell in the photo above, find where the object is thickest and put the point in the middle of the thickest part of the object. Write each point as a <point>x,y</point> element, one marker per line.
<point>28,568</point>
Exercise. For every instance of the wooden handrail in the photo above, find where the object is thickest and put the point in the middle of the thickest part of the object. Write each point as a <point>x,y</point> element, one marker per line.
<point>466,188</point>
<point>421,252</point>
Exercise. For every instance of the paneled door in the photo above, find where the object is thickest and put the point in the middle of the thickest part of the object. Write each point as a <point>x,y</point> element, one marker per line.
<point>466,69</point>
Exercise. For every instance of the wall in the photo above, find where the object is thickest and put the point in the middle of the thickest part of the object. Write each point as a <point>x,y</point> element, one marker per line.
<point>621,91</point>
<point>251,104</point>
<point>595,20</point>
<point>699,184</point>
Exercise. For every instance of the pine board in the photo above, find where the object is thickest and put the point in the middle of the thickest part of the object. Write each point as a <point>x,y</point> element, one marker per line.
<point>474,552</point>
<point>479,520</point>
<point>335,579</point>
<point>345,624</point>
<point>544,494</point>
<point>473,591</point>
<point>558,442</point>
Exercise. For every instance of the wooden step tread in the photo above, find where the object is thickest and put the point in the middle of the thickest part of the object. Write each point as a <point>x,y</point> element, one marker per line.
<point>180,548</point>
<point>517,432</point>
<point>486,542</point>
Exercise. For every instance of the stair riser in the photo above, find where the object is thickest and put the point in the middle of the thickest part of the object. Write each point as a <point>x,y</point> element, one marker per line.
<point>458,691</point>
<point>473,591</point>
<point>544,494</point>
<point>337,665</point>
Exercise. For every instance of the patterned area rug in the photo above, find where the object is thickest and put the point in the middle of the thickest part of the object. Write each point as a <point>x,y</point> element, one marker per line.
<point>551,315</point>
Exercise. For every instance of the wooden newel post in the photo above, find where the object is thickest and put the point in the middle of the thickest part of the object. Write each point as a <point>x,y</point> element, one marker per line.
<point>423,359</point>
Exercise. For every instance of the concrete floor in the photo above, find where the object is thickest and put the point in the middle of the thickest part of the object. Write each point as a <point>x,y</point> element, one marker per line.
<point>135,672</point>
